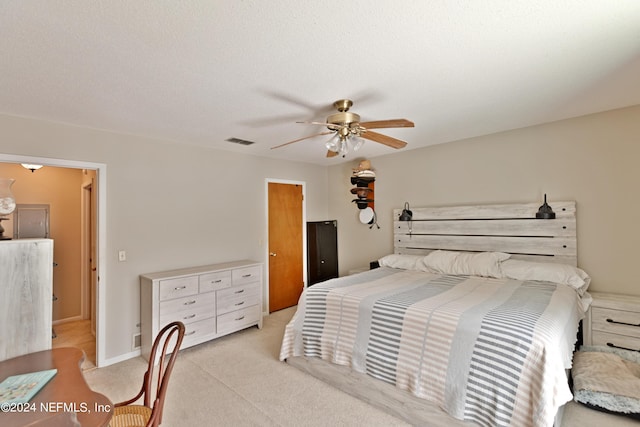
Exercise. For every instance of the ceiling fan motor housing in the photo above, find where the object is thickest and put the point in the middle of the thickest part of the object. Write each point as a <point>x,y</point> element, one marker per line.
<point>343,118</point>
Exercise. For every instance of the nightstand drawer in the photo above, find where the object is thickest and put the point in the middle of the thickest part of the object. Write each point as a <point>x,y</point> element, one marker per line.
<point>613,340</point>
<point>617,322</point>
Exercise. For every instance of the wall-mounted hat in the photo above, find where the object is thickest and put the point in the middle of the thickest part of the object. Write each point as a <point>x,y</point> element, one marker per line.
<point>366,216</point>
<point>362,203</point>
<point>364,165</point>
<point>362,192</point>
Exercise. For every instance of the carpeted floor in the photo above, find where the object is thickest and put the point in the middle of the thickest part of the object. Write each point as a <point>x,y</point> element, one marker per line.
<point>237,380</point>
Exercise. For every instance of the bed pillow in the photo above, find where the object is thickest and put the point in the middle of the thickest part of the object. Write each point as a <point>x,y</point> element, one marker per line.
<point>547,272</point>
<point>405,262</point>
<point>485,264</point>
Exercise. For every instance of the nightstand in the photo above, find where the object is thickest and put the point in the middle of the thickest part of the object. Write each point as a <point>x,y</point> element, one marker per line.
<point>613,321</point>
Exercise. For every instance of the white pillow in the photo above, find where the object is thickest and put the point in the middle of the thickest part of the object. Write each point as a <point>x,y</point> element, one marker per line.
<point>547,272</point>
<point>485,264</point>
<point>406,262</point>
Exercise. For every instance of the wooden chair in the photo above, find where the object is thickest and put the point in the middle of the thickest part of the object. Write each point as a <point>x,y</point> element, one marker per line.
<point>149,414</point>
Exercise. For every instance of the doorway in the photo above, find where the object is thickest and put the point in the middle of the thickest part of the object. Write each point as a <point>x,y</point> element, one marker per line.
<point>99,242</point>
<point>286,242</point>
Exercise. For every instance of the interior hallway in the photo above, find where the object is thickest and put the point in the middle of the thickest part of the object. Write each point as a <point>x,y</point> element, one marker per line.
<point>77,334</point>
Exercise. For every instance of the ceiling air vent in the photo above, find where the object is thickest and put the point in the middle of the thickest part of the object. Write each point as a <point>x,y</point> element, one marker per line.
<point>240,141</point>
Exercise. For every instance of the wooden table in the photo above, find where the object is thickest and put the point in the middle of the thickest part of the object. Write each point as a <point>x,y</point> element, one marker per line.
<point>66,400</point>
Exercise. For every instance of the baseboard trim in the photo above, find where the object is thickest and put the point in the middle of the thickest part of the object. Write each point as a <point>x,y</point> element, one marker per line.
<point>67,320</point>
<point>120,358</point>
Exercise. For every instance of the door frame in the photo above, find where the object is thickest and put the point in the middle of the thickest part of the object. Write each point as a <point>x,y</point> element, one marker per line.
<point>101,227</point>
<point>267,181</point>
<point>89,286</point>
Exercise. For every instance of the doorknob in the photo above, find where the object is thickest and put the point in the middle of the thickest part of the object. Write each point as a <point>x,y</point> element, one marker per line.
<point>272,254</point>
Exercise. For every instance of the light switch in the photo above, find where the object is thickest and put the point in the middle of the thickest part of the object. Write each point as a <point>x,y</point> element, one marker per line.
<point>122,256</point>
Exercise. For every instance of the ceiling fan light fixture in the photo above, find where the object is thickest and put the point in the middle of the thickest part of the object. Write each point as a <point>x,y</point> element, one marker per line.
<point>333,144</point>
<point>356,142</point>
<point>344,147</point>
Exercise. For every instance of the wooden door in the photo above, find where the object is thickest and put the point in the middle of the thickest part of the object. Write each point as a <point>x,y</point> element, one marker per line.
<point>285,245</point>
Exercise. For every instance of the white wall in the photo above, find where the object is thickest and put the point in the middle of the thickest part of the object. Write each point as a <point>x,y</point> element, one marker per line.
<point>592,160</point>
<point>169,205</point>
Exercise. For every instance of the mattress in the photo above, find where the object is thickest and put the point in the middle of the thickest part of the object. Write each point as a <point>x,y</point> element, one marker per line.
<point>491,351</point>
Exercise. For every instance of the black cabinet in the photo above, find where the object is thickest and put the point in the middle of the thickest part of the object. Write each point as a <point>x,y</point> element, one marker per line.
<point>322,251</point>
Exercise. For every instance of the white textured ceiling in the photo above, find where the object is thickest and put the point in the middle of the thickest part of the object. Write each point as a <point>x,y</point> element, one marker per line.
<point>202,71</point>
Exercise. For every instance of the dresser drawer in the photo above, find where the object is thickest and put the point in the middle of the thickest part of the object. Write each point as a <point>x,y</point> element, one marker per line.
<point>238,297</point>
<point>179,287</point>
<point>615,321</point>
<point>246,275</point>
<point>188,309</point>
<point>606,339</point>
<point>215,281</point>
<point>196,330</point>
<point>238,319</point>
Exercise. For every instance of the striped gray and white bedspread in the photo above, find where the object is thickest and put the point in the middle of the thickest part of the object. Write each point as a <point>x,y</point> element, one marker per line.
<point>491,351</point>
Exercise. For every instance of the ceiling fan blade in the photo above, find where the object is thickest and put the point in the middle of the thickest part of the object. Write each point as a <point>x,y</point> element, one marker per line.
<point>270,121</point>
<point>331,153</point>
<point>303,138</point>
<point>315,109</point>
<point>382,139</point>
<point>329,125</point>
<point>394,123</point>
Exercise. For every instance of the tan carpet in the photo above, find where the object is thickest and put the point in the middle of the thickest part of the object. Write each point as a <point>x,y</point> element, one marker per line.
<point>237,380</point>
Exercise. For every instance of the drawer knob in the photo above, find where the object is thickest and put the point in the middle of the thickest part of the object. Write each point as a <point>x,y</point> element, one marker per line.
<point>239,292</point>
<point>240,318</point>
<point>623,348</point>
<point>190,302</point>
<point>246,275</point>
<point>179,288</point>
<point>623,323</point>
<point>190,333</point>
<point>216,281</point>
<point>240,303</point>
<point>189,317</point>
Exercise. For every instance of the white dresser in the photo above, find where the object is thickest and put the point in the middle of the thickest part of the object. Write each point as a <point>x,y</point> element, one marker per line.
<point>26,296</point>
<point>211,300</point>
<point>613,321</point>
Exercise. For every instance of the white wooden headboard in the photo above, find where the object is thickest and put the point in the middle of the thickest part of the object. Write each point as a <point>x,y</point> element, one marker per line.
<point>510,228</point>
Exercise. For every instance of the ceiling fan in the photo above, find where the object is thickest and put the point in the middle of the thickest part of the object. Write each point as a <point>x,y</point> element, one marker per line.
<point>349,131</point>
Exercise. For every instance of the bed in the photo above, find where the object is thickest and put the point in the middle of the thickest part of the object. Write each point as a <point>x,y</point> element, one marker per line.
<point>472,321</point>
